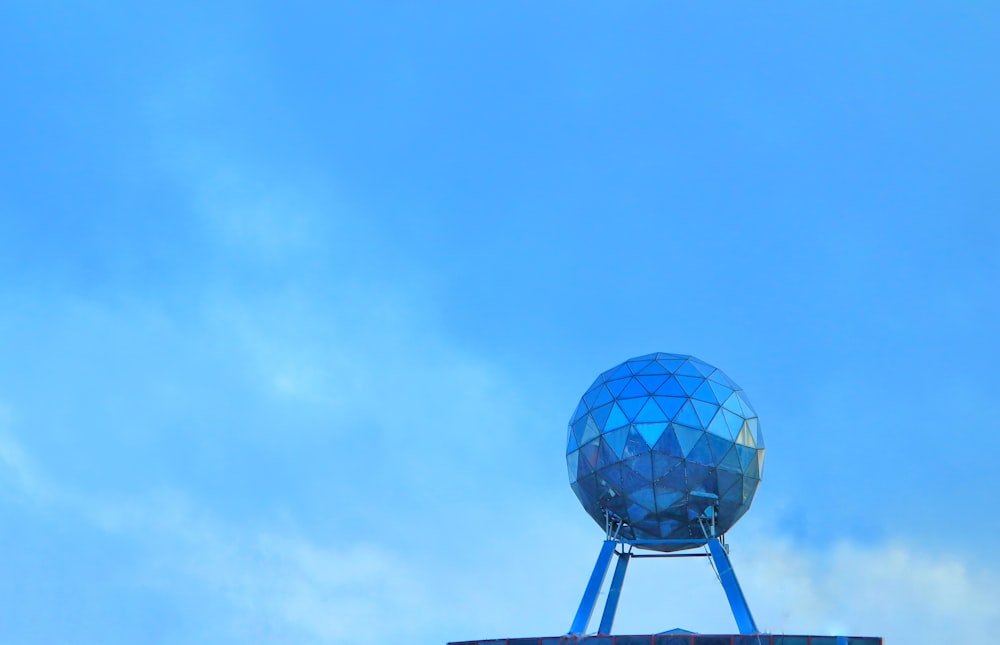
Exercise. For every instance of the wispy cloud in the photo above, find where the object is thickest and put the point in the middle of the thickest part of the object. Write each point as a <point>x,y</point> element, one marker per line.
<point>274,586</point>
<point>908,593</point>
<point>899,590</point>
<point>17,469</point>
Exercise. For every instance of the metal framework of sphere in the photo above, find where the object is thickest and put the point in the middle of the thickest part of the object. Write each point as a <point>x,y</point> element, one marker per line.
<point>665,443</point>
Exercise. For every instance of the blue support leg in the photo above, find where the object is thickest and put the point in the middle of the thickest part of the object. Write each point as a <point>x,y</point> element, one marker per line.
<point>738,603</point>
<point>611,606</point>
<point>589,599</point>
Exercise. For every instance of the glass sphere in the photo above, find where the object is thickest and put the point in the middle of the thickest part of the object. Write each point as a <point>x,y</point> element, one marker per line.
<point>665,447</point>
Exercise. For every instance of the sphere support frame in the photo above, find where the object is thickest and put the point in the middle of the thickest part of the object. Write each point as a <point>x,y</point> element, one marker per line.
<point>717,552</point>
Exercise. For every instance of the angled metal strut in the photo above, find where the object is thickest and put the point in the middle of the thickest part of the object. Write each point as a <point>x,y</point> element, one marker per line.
<point>720,559</point>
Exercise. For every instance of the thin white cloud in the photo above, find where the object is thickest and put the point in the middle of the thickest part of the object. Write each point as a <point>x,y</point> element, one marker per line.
<point>17,469</point>
<point>269,586</point>
<point>902,591</point>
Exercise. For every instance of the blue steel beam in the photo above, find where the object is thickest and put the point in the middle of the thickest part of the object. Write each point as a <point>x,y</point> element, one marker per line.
<point>692,543</point>
<point>589,599</point>
<point>737,601</point>
<point>611,606</point>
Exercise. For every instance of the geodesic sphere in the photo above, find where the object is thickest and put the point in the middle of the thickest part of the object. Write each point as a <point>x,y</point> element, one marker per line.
<point>662,443</point>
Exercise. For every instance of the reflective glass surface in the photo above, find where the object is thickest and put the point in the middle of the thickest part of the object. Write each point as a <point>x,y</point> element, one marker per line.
<point>662,442</point>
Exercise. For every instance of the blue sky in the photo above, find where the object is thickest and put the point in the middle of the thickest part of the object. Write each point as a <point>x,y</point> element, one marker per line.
<point>297,298</point>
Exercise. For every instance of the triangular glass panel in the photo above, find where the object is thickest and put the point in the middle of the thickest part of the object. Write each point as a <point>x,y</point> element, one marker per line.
<point>581,484</point>
<point>674,478</point>
<point>645,529</point>
<point>730,461</point>
<point>616,419</point>
<point>651,383</point>
<point>735,422</point>
<point>686,437</point>
<point>733,404</point>
<point>705,393</point>
<point>755,469</point>
<point>732,496</point>
<point>612,476</point>
<point>654,367</point>
<point>748,410</point>
<point>721,391</point>
<point>572,465</point>
<point>688,369</point>
<point>719,377</point>
<point>753,425</point>
<point>671,387</point>
<point>669,530</point>
<point>571,442</point>
<point>719,427</point>
<point>709,484</point>
<point>637,364</point>
<point>700,452</point>
<point>589,453</point>
<point>760,460</point>
<point>703,368</point>
<point>687,416</point>
<point>642,464</point>
<point>581,410</point>
<point>586,489</point>
<point>635,444</point>
<point>706,411</point>
<point>614,502</point>
<point>663,463</point>
<point>745,437</point>
<point>690,384</point>
<point>631,407</point>
<point>592,393</point>
<point>668,446</point>
<point>738,405</point>
<point>749,488</point>
<point>590,430</point>
<point>616,439</point>
<point>635,513</point>
<point>650,413</point>
<point>601,414</point>
<point>694,474</point>
<point>603,396</point>
<point>679,510</point>
<point>616,386</point>
<point>670,361</point>
<point>670,405</point>
<point>728,479</point>
<point>621,371</point>
<point>632,481</point>
<point>719,447</point>
<point>667,497</point>
<point>606,455</point>
<point>632,389</point>
<point>651,432</point>
<point>577,427</point>
<point>732,513</point>
<point>747,457</point>
<point>645,357</point>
